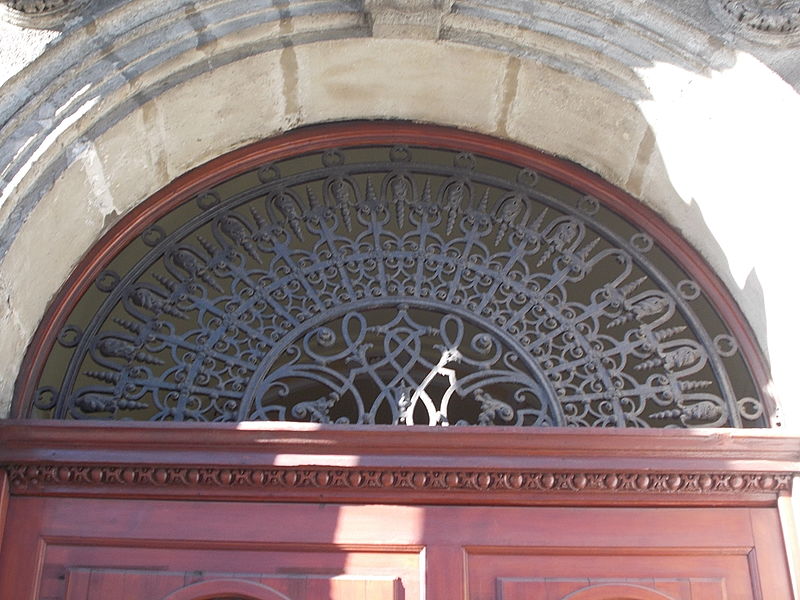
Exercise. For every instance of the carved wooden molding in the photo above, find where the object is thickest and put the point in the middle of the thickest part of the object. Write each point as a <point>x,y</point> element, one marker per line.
<point>294,462</point>
<point>43,477</point>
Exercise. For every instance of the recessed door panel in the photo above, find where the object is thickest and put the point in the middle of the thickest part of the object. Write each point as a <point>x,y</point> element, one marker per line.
<point>102,584</point>
<point>556,574</point>
<point>581,588</point>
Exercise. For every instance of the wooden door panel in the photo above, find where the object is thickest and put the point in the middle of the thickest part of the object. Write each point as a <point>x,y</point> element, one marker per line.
<point>96,584</point>
<point>299,573</point>
<point>607,589</point>
<point>102,584</point>
<point>714,574</point>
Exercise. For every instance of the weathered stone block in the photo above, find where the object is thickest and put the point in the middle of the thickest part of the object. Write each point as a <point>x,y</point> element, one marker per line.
<point>576,119</point>
<point>218,111</point>
<point>399,79</point>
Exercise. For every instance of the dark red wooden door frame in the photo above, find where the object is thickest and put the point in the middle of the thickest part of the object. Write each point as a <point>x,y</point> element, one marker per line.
<point>407,465</point>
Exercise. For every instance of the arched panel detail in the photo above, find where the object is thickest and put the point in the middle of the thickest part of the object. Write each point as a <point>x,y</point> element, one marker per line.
<point>616,592</point>
<point>226,589</point>
<point>395,274</point>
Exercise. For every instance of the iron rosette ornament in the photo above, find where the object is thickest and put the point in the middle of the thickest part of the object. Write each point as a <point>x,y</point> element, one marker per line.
<point>397,285</point>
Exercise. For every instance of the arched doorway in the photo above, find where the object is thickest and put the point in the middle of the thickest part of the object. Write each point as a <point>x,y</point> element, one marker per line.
<point>616,592</point>
<point>394,273</point>
<point>374,275</point>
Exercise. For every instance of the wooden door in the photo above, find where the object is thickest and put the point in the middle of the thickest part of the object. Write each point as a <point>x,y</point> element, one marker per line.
<point>127,512</point>
<point>92,549</point>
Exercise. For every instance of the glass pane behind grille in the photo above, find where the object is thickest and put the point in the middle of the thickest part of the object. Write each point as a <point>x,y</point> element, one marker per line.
<point>397,285</point>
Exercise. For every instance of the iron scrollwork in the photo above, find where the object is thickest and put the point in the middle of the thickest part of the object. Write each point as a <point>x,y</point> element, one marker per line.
<point>401,371</point>
<point>396,285</point>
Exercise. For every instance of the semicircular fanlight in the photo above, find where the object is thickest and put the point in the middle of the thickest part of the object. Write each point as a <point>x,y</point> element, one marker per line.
<point>395,284</point>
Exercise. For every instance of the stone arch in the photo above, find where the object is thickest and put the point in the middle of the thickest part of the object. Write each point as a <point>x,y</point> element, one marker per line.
<point>69,129</point>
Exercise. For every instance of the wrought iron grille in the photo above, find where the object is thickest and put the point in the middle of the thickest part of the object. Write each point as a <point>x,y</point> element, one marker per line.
<point>397,285</point>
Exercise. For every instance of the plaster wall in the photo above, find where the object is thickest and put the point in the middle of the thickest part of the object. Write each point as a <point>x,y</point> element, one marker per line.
<point>682,124</point>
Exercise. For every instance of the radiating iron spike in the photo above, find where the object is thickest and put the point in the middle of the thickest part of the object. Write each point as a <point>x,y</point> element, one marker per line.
<point>131,326</point>
<point>545,256</point>
<point>690,386</point>
<point>537,222</point>
<point>148,358</point>
<point>209,280</point>
<point>343,203</point>
<point>170,309</point>
<point>584,252</point>
<point>664,334</point>
<point>673,413</point>
<point>313,203</point>
<point>94,403</point>
<point>105,376</point>
<point>483,205</point>
<point>627,289</point>
<point>124,404</point>
<point>258,218</point>
<point>426,192</point>
<point>371,196</point>
<point>400,191</point>
<point>168,283</point>
<point>649,364</point>
<point>620,320</point>
<point>207,246</point>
